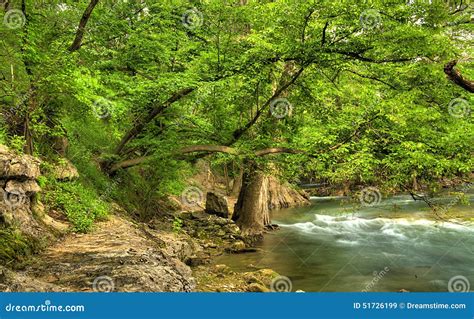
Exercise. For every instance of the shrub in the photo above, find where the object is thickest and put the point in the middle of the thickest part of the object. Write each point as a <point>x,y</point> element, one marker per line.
<point>81,205</point>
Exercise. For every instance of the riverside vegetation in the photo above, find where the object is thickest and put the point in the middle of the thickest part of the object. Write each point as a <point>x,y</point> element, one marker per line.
<point>140,140</point>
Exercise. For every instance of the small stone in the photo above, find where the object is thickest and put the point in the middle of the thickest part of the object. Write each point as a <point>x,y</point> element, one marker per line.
<point>267,272</point>
<point>254,287</point>
<point>3,276</point>
<point>210,245</point>
<point>251,278</point>
<point>266,276</point>
<point>224,269</point>
<point>195,261</point>
<point>237,247</point>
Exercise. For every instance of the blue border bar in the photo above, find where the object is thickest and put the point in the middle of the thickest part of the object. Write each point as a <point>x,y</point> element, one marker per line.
<point>236,305</point>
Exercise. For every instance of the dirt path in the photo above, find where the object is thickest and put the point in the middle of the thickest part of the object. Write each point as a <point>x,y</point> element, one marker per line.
<point>117,256</point>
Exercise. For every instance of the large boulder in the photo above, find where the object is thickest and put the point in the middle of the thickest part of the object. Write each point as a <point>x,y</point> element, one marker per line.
<point>217,205</point>
<point>282,195</point>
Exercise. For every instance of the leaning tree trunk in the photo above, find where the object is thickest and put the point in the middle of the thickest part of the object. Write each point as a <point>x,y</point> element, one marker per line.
<point>251,211</point>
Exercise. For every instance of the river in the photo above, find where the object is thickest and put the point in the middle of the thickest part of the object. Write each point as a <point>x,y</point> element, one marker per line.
<point>334,245</point>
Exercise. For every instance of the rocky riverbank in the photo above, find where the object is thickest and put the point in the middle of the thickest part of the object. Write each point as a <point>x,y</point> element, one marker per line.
<point>121,255</point>
<point>170,253</point>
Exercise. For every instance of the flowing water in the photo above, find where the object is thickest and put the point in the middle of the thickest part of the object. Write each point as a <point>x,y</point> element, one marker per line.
<point>334,246</point>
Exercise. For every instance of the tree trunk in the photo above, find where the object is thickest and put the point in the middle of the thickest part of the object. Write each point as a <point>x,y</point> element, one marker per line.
<point>76,44</point>
<point>227,183</point>
<point>415,182</point>
<point>251,211</point>
<point>237,183</point>
<point>28,148</point>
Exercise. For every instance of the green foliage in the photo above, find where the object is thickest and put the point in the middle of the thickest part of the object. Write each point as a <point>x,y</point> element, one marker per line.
<point>3,133</point>
<point>81,205</point>
<point>14,247</point>
<point>16,143</point>
<point>143,190</point>
<point>371,104</point>
<point>177,225</point>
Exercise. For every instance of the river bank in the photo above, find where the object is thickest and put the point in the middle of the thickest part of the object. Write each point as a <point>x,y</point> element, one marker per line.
<point>331,245</point>
<point>125,256</point>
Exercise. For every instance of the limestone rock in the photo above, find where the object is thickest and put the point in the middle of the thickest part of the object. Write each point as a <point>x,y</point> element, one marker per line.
<point>283,196</point>
<point>65,171</point>
<point>250,278</point>
<point>224,269</point>
<point>18,174</point>
<point>28,187</point>
<point>239,247</point>
<point>255,287</point>
<point>17,166</point>
<point>20,282</point>
<point>217,205</point>
<point>267,275</point>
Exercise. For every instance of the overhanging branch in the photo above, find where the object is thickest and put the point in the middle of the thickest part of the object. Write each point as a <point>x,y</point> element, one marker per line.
<point>76,44</point>
<point>456,77</point>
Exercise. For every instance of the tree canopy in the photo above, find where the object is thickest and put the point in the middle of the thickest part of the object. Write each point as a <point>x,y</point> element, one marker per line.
<point>343,91</point>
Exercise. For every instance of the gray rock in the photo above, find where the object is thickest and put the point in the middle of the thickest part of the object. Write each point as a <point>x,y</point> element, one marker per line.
<point>15,166</point>
<point>255,287</point>
<point>217,205</point>
<point>28,187</point>
<point>65,171</point>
